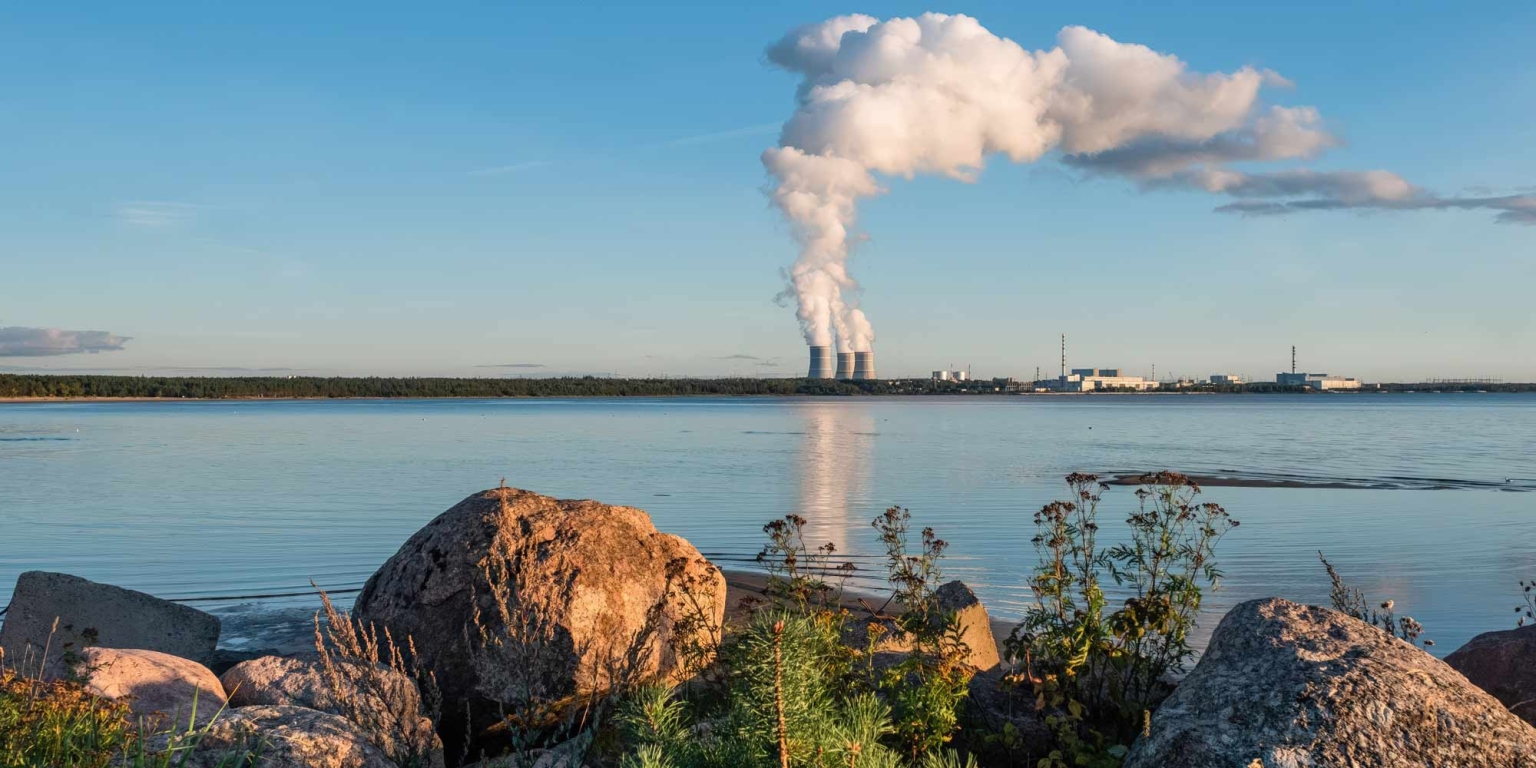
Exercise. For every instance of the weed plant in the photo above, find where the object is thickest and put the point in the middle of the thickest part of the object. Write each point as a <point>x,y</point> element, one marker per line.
<point>1351,602</point>
<point>1527,612</point>
<point>1096,671</point>
<point>380,689</point>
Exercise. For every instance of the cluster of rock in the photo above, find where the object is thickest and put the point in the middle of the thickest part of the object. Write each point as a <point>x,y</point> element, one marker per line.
<point>153,653</point>
<point>515,602</point>
<point>525,606</point>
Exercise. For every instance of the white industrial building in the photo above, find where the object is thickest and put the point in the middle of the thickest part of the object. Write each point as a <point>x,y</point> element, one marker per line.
<point>1095,379</point>
<point>1226,379</point>
<point>1318,381</point>
<point>951,375</point>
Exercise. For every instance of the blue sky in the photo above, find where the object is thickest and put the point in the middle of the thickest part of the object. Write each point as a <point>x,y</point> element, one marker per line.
<point>404,189</point>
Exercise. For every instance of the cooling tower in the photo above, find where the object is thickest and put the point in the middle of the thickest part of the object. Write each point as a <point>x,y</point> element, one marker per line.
<point>821,363</point>
<point>864,365</point>
<point>845,365</point>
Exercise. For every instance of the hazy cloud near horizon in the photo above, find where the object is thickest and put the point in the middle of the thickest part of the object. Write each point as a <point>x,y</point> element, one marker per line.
<point>20,341</point>
<point>513,365</point>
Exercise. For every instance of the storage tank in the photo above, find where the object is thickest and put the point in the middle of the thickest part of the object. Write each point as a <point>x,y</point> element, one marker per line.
<point>845,365</point>
<point>864,365</point>
<point>821,363</point>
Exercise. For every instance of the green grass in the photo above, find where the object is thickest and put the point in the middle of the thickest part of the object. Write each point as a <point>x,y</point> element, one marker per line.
<point>58,724</point>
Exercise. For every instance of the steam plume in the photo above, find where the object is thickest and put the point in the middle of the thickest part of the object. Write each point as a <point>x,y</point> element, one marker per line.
<point>938,94</point>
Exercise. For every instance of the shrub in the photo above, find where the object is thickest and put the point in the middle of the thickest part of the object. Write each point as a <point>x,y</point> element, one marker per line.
<point>1094,671</point>
<point>793,692</point>
<point>784,709</point>
<point>929,685</point>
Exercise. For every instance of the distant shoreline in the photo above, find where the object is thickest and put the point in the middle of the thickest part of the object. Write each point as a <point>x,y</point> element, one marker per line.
<point>17,388</point>
<point>686,396</point>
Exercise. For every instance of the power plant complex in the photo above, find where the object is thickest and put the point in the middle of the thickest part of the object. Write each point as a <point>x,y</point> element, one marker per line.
<point>858,366</point>
<point>825,363</point>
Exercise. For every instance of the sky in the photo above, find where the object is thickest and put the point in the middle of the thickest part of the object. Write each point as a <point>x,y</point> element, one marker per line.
<point>496,189</point>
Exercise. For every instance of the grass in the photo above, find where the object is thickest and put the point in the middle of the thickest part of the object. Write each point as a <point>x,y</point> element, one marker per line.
<point>59,724</point>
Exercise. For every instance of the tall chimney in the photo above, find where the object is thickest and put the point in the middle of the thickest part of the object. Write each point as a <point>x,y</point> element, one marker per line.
<point>845,365</point>
<point>863,365</point>
<point>821,363</point>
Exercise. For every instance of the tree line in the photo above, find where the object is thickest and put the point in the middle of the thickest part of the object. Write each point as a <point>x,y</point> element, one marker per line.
<point>282,387</point>
<point>255,387</point>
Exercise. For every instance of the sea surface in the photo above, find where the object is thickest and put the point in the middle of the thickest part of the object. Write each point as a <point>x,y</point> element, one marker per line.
<point>239,505</point>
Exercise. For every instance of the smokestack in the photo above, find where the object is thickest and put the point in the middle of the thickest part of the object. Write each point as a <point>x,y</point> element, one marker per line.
<point>863,365</point>
<point>821,363</point>
<point>845,365</point>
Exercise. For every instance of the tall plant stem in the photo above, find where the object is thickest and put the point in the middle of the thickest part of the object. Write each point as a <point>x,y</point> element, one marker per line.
<point>778,692</point>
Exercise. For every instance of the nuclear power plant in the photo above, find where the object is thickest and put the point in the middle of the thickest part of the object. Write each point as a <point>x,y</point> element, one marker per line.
<point>850,365</point>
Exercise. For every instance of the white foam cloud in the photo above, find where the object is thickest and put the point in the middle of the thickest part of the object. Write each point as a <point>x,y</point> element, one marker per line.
<point>940,94</point>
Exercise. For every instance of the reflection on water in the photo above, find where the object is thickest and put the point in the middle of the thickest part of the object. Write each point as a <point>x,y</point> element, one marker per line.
<point>833,471</point>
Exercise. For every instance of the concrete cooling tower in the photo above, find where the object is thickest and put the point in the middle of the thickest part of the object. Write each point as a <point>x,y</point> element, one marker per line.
<point>863,365</point>
<point>821,363</point>
<point>845,365</point>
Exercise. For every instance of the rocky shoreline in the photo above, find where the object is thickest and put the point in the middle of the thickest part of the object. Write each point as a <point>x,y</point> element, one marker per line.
<point>512,602</point>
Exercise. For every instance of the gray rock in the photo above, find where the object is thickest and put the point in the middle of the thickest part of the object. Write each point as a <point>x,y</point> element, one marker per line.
<point>168,691</point>
<point>395,720</point>
<point>591,599</point>
<point>891,644</point>
<point>1286,686</point>
<point>89,614</point>
<point>226,658</point>
<point>975,625</point>
<point>1503,664</point>
<point>287,737</point>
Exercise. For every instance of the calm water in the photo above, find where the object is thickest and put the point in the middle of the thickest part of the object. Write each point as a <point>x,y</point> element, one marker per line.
<point>212,499</point>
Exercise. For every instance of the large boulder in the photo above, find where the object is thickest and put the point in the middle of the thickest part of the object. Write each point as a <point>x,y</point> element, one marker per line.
<point>89,614</point>
<point>286,737</point>
<point>390,703</point>
<point>168,691</point>
<point>1503,664</point>
<point>1284,685</point>
<point>524,604</point>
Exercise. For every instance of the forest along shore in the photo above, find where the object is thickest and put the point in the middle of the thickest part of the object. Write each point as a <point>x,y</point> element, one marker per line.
<point>30,387</point>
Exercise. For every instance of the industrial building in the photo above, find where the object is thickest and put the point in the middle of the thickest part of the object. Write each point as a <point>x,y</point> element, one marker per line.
<point>1226,379</point>
<point>1095,379</point>
<point>951,375</point>
<point>1318,381</point>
